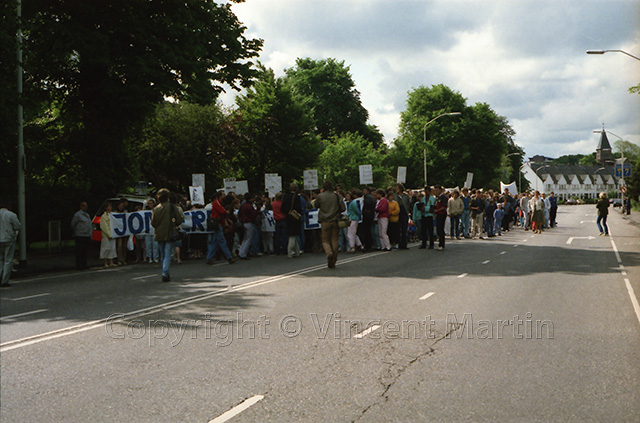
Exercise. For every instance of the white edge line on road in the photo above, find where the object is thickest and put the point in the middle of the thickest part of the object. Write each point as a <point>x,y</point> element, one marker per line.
<point>29,297</point>
<point>503,252</point>
<point>17,343</point>
<point>634,300</point>
<point>237,409</point>
<point>13,316</point>
<point>366,332</point>
<point>486,262</point>
<point>462,275</point>
<point>424,297</point>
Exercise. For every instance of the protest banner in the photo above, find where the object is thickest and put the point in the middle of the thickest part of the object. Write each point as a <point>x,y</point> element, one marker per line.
<point>311,219</point>
<point>513,189</point>
<point>366,174</point>
<point>197,195</point>
<point>310,179</point>
<point>402,175</point>
<point>467,183</point>
<point>126,224</point>
<point>272,184</point>
<point>197,180</point>
<point>230,185</point>
<point>268,221</point>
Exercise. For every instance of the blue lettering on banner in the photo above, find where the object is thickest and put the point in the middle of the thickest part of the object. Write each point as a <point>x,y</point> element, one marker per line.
<point>118,224</point>
<point>133,218</point>
<point>311,219</point>
<point>126,224</point>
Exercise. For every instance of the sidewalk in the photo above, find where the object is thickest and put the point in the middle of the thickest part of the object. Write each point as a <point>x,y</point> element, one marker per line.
<point>39,263</point>
<point>633,218</point>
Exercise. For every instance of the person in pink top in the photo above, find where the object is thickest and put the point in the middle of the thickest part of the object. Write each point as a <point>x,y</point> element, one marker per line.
<point>382,208</point>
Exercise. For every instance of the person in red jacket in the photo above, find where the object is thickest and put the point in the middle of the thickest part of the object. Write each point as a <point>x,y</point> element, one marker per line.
<point>280,242</point>
<point>218,223</point>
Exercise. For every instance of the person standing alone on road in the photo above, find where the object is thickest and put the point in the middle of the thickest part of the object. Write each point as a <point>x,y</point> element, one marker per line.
<point>9,228</point>
<point>330,207</point>
<point>165,217</point>
<point>603,212</point>
<point>81,227</point>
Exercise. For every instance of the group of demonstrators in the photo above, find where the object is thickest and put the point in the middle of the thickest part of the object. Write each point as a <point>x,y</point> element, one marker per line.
<point>248,226</point>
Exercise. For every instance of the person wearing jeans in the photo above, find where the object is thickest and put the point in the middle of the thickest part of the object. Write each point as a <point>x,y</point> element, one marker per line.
<point>603,212</point>
<point>382,208</point>
<point>247,215</point>
<point>166,216</point>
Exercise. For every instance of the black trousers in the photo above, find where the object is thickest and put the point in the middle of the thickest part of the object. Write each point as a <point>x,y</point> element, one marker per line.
<point>426,228</point>
<point>440,221</point>
<point>364,230</point>
<point>404,226</point>
<point>552,216</point>
<point>82,249</point>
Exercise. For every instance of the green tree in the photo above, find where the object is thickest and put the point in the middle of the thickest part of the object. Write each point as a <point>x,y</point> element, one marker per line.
<point>102,67</point>
<point>343,155</point>
<point>277,131</point>
<point>589,160</point>
<point>328,89</point>
<point>182,139</point>
<point>627,149</point>
<point>474,142</point>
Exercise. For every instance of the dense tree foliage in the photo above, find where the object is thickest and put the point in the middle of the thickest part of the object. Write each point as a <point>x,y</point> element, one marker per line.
<point>327,88</point>
<point>576,159</point>
<point>477,141</point>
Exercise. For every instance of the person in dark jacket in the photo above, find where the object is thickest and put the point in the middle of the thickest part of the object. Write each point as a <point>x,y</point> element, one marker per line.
<point>291,201</point>
<point>247,215</point>
<point>603,212</point>
<point>368,214</point>
<point>164,218</point>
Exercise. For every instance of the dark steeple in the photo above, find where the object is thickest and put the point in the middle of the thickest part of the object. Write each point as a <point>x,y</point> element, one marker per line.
<point>603,152</point>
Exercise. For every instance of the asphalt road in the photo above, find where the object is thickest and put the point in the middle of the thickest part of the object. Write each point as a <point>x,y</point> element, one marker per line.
<point>521,328</point>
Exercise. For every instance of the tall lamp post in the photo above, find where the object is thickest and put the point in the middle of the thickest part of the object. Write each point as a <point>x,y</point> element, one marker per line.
<point>424,131</point>
<point>22,215</point>
<point>608,51</point>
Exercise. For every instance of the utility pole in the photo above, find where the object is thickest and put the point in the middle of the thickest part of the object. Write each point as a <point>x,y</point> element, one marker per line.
<point>22,162</point>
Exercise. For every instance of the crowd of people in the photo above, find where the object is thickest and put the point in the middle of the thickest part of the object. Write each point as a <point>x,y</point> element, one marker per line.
<point>350,220</point>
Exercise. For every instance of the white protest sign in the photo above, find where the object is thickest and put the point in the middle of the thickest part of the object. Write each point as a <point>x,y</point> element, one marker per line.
<point>272,183</point>
<point>513,189</point>
<point>242,187</point>
<point>366,174</point>
<point>197,180</point>
<point>311,219</point>
<point>310,179</point>
<point>197,195</point>
<point>230,185</point>
<point>467,183</point>
<point>402,175</point>
<point>268,223</point>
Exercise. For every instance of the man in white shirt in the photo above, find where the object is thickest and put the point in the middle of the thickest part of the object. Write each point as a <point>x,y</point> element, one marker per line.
<point>9,228</point>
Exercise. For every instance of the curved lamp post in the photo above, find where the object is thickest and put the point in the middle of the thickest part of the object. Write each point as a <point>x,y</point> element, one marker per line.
<point>424,130</point>
<point>607,51</point>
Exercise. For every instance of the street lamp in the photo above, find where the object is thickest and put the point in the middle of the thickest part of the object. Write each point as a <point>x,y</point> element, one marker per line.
<point>424,130</point>
<point>607,51</point>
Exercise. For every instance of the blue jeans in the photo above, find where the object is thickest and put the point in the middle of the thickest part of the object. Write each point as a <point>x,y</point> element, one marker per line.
<point>255,240</point>
<point>153,251</point>
<point>466,223</point>
<point>343,239</point>
<point>376,236</point>
<point>166,247</point>
<point>602,228</point>
<point>488,225</point>
<point>216,239</point>
<point>497,227</point>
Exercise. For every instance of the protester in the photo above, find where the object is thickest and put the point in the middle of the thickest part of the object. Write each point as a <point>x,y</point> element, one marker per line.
<point>165,218</point>
<point>441,214</point>
<point>81,228</point>
<point>267,227</point>
<point>292,208</point>
<point>477,213</point>
<point>280,241</point>
<point>108,244</point>
<point>368,215</point>
<point>382,210</point>
<point>526,210</point>
<point>217,223</point>
<point>603,212</point>
<point>247,216</point>
<point>553,210</point>
<point>121,242</point>
<point>498,215</point>
<point>455,207</point>
<point>403,200</point>
<point>330,207</point>
<point>465,219</point>
<point>355,215</point>
<point>536,205</point>
<point>179,202</point>
<point>9,228</point>
<point>426,225</point>
<point>489,211</point>
<point>151,245</point>
<point>393,229</point>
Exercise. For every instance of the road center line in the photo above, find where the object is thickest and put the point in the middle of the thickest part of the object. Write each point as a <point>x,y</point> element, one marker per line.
<point>366,332</point>
<point>144,277</point>
<point>503,252</point>
<point>486,262</point>
<point>238,409</point>
<point>29,297</point>
<point>13,316</point>
<point>462,275</point>
<point>424,297</point>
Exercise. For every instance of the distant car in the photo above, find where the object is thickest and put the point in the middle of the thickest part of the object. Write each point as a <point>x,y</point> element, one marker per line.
<point>580,201</point>
<point>616,202</point>
<point>571,202</point>
<point>134,201</point>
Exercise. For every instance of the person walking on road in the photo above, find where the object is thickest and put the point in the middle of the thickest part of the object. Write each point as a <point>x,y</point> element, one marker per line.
<point>292,209</point>
<point>165,217</point>
<point>603,212</point>
<point>81,227</point>
<point>9,228</point>
<point>330,207</point>
<point>217,223</point>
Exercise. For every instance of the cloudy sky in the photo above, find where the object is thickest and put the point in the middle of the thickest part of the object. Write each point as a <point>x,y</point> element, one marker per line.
<point>525,58</point>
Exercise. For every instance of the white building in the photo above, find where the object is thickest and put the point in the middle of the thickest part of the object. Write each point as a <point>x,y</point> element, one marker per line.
<point>571,181</point>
